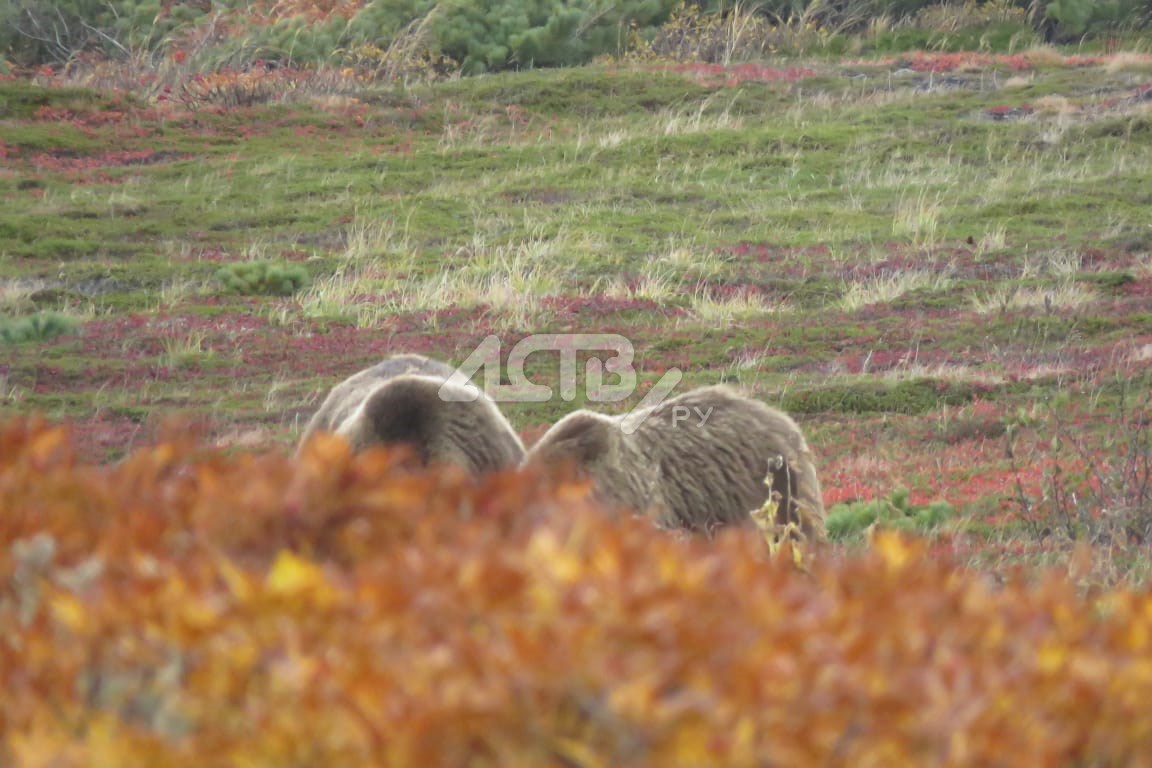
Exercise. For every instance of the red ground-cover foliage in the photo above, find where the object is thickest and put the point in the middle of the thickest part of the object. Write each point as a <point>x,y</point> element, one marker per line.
<point>943,61</point>
<point>68,162</point>
<point>191,607</point>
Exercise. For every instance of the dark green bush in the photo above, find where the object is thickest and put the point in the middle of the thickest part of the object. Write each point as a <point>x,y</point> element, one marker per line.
<point>482,36</point>
<point>478,35</point>
<point>507,34</point>
<point>851,519</point>
<point>911,397</point>
<point>35,32</point>
<point>292,40</point>
<point>1057,18</point>
<point>38,327</point>
<point>263,278</point>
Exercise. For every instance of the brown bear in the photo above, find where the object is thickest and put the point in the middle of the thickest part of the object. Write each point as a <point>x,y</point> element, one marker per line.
<point>407,399</point>
<point>698,461</point>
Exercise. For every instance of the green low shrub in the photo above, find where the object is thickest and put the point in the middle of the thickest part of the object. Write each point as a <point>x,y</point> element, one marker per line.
<point>846,520</point>
<point>33,32</point>
<point>38,327</point>
<point>263,278</point>
<point>511,34</point>
<point>912,396</point>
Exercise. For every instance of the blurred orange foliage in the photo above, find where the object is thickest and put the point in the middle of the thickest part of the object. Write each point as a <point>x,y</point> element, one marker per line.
<point>189,607</point>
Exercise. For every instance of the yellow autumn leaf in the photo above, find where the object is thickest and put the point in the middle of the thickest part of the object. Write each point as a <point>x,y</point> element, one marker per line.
<point>743,745</point>
<point>1136,637</point>
<point>545,598</point>
<point>101,745</point>
<point>200,614</point>
<point>292,674</point>
<point>606,563</point>
<point>44,746</point>
<point>690,742</point>
<point>633,697</point>
<point>1051,657</point>
<point>578,752</point>
<point>894,549</point>
<point>106,743</point>
<point>671,568</point>
<point>163,455</point>
<point>239,584</point>
<point>546,550</point>
<point>292,576</point>
<point>764,516</point>
<point>798,558</point>
<point>69,611</point>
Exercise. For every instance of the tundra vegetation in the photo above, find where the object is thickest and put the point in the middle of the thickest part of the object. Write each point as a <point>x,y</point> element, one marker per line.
<point>920,229</point>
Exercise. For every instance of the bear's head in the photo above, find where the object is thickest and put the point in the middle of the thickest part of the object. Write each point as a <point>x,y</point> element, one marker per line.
<point>594,446</point>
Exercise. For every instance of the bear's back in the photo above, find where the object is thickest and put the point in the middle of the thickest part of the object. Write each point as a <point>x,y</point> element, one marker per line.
<point>714,449</point>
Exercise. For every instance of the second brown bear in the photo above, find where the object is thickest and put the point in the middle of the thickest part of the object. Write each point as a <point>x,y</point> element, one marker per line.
<point>698,461</point>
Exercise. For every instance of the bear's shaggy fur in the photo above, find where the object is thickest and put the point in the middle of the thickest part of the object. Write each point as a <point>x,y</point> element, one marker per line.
<point>698,461</point>
<point>398,401</point>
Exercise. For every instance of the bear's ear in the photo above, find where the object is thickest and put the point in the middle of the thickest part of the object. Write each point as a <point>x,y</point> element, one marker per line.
<point>403,410</point>
<point>583,437</point>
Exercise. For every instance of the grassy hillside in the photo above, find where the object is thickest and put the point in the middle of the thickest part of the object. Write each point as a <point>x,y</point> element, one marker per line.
<point>940,263</point>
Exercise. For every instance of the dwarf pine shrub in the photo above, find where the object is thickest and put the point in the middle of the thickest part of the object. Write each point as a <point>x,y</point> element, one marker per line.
<point>38,327</point>
<point>263,278</point>
<point>846,520</point>
<point>505,34</point>
<point>36,33</point>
